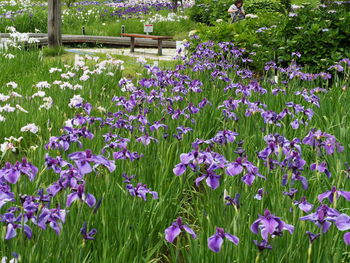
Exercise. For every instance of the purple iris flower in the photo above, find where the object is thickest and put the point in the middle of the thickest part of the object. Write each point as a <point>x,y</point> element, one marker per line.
<point>79,193</point>
<point>278,145</point>
<point>277,90</point>
<point>52,217</point>
<point>156,125</point>
<point>175,229</point>
<point>55,163</point>
<point>334,193</point>
<point>145,139</point>
<point>128,178</point>
<point>291,192</point>
<point>233,201</point>
<point>270,224</point>
<point>192,159</point>
<point>270,65</point>
<point>69,178</point>
<point>312,236</point>
<point>206,163</point>
<point>304,205</point>
<point>181,130</point>
<point>58,143</point>
<point>212,179</point>
<point>141,191</point>
<point>311,98</point>
<point>5,194</point>
<point>88,235</point>
<point>225,137</point>
<point>323,140</point>
<point>87,107</point>
<point>203,103</point>
<point>347,238</point>
<point>11,173</point>
<point>78,120</point>
<point>260,194</point>
<point>125,154</point>
<point>343,222</point>
<point>347,170</point>
<point>262,245</point>
<point>120,143</point>
<point>83,159</point>
<point>295,124</point>
<point>191,109</point>
<point>215,241</point>
<point>271,117</point>
<point>323,217</point>
<point>30,206</point>
<point>296,177</point>
<point>294,163</point>
<point>291,152</point>
<point>109,136</point>
<point>240,165</point>
<point>322,168</point>
<point>185,159</point>
<point>14,223</point>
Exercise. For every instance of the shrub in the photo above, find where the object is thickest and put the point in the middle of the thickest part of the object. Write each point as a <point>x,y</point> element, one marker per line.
<point>208,11</point>
<point>286,5</point>
<point>320,35</point>
<point>262,6</point>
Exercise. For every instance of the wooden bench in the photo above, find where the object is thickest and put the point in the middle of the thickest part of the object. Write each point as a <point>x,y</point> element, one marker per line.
<point>158,38</point>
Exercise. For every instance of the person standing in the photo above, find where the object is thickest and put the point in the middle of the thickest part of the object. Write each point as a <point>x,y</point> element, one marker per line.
<point>236,10</point>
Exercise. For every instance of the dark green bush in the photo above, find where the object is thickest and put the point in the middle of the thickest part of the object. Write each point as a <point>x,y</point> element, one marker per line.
<point>208,11</point>
<point>262,6</point>
<point>320,35</point>
<point>286,5</point>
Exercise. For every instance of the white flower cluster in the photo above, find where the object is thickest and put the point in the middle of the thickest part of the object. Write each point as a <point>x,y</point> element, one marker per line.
<point>141,60</point>
<point>134,3</point>
<point>31,127</point>
<point>251,16</point>
<point>15,41</point>
<point>127,85</point>
<point>80,15</point>
<point>75,101</point>
<point>69,77</point>
<point>171,17</point>
<point>11,144</point>
<point>13,260</point>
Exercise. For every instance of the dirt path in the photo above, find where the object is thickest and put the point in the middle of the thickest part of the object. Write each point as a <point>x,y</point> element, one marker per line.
<point>148,53</point>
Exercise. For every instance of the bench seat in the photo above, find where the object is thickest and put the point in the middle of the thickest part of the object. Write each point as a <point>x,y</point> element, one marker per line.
<point>154,37</point>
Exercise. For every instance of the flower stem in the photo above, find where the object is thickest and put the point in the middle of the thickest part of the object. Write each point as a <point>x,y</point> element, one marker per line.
<point>257,259</point>
<point>309,251</point>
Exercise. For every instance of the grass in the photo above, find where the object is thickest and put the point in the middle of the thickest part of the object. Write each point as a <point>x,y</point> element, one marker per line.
<point>53,52</point>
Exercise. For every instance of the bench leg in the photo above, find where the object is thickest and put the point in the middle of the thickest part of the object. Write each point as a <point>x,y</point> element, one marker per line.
<point>160,47</point>
<point>132,47</point>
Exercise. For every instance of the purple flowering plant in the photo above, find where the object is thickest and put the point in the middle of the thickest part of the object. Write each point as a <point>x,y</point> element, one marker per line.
<point>176,228</point>
<point>270,225</point>
<point>215,241</point>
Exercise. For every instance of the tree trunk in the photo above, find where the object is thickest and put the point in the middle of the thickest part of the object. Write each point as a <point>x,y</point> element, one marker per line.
<point>174,2</point>
<point>54,23</point>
